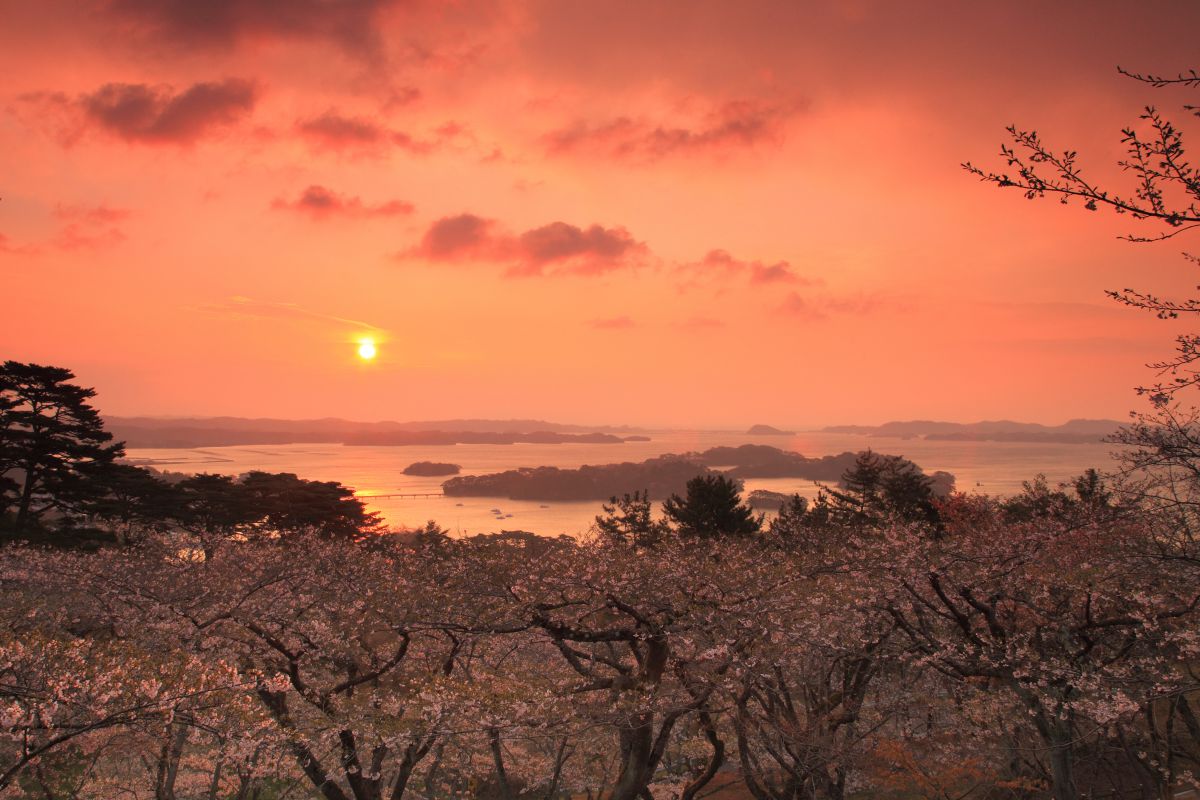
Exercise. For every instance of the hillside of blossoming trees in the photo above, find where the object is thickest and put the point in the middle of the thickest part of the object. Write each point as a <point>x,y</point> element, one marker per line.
<point>265,637</point>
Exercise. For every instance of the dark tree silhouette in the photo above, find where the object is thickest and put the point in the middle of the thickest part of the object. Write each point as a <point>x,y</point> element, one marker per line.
<point>133,502</point>
<point>212,508</point>
<point>53,446</point>
<point>713,508</point>
<point>878,488</point>
<point>629,519</point>
<point>286,504</point>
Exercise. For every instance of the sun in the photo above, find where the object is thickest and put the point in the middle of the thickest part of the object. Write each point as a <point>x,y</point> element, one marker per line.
<point>366,349</point>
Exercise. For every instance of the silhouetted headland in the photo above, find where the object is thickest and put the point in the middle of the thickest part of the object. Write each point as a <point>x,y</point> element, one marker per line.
<point>660,477</point>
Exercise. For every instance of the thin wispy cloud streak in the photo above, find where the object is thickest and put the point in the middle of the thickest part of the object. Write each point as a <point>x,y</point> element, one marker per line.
<point>238,306</point>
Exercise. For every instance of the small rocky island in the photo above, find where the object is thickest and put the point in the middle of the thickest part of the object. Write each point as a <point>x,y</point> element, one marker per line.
<point>765,500</point>
<point>432,469</point>
<point>767,430</point>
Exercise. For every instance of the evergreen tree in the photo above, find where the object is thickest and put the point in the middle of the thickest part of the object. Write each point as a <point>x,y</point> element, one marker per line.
<point>878,488</point>
<point>53,446</point>
<point>629,519</point>
<point>132,501</point>
<point>286,504</point>
<point>713,508</point>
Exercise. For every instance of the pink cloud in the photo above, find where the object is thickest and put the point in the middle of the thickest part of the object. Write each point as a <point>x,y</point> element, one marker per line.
<point>97,215</point>
<point>9,247</point>
<point>159,115</point>
<point>337,132</point>
<point>557,247</point>
<point>721,265</point>
<point>322,203</point>
<point>89,227</point>
<point>80,228</point>
<point>737,124</point>
<point>823,307</point>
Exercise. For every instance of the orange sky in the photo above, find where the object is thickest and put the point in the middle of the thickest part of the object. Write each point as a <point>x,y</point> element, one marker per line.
<point>694,213</point>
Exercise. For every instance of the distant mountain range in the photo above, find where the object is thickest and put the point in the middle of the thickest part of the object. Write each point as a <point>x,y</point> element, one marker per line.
<point>1076,431</point>
<point>183,432</point>
<point>155,432</point>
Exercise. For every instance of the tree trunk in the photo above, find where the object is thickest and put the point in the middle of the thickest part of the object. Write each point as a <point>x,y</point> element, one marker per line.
<point>412,755</point>
<point>560,759</point>
<point>30,484</point>
<point>637,744</point>
<point>714,763</point>
<point>1062,771</point>
<point>214,785</point>
<point>498,760</point>
<point>276,703</point>
<point>174,737</point>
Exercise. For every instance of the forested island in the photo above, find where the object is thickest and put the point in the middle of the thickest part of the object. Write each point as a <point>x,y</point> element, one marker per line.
<point>665,475</point>
<point>432,469</point>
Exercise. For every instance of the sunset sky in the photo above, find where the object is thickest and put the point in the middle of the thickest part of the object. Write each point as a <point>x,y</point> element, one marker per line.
<point>663,213</point>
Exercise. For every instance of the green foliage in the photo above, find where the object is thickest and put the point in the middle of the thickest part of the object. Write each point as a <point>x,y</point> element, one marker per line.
<point>712,509</point>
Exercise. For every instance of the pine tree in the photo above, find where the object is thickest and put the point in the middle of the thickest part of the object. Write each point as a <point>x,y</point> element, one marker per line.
<point>629,519</point>
<point>53,446</point>
<point>713,508</point>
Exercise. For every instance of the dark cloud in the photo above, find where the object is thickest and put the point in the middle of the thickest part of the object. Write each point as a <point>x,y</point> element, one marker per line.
<point>457,237</point>
<point>592,250</point>
<point>351,24</point>
<point>321,203</point>
<point>158,115</point>
<point>558,247</point>
<point>734,125</point>
<point>335,131</point>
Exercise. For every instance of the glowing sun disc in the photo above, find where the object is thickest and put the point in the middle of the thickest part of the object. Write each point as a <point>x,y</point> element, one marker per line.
<point>366,350</point>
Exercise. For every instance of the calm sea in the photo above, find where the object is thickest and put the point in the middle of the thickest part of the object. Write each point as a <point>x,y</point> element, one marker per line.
<point>996,468</point>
